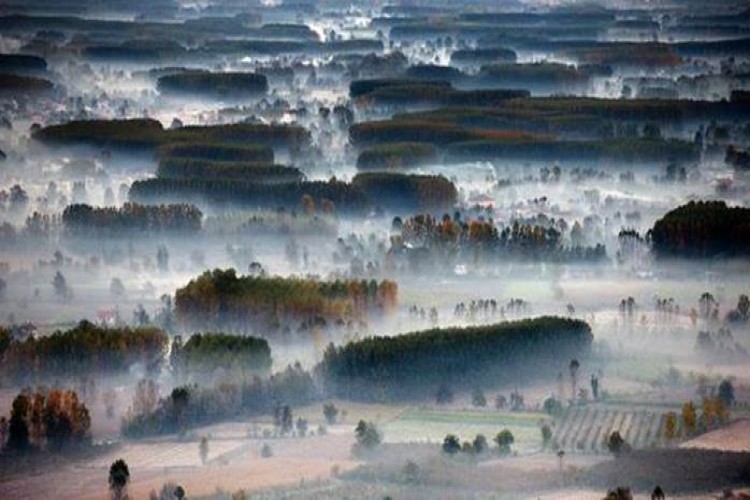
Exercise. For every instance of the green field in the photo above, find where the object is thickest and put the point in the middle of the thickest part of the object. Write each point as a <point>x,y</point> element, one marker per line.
<point>428,425</point>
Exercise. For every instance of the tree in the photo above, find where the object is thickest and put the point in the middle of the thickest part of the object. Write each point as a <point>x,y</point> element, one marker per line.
<point>689,419</point>
<point>367,435</point>
<point>18,428</point>
<point>411,472</point>
<point>546,435</point>
<point>616,444</point>
<point>726,392</point>
<point>504,440</point>
<point>180,397</point>
<point>619,493</point>
<point>119,476</point>
<point>330,412</point>
<point>116,288</point>
<point>480,444</point>
<point>477,398</point>
<point>451,444</point>
<point>670,426</point>
<point>179,492</point>
<point>162,258</point>
<point>301,427</point>
<point>60,286</point>
<point>552,406</point>
<point>203,449</point>
<point>595,387</point>
<point>573,369</point>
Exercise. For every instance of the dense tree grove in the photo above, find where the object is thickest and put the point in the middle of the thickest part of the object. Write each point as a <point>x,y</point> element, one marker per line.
<point>396,156</point>
<point>83,350</point>
<point>52,420</point>
<point>216,152</point>
<point>191,406</point>
<point>131,218</point>
<point>202,354</point>
<point>227,84</point>
<point>222,300</point>
<point>417,363</point>
<point>149,133</point>
<point>407,192</point>
<point>346,197</point>
<point>200,169</point>
<point>703,229</point>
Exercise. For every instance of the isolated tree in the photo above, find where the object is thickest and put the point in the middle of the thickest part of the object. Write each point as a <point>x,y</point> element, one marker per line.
<point>595,387</point>
<point>411,472</point>
<point>619,493</point>
<point>726,392</point>
<point>330,412</point>
<point>706,303</point>
<point>367,435</point>
<point>116,288</point>
<point>119,476</point>
<point>504,440</point>
<point>552,406</point>
<point>203,449</point>
<point>546,431</point>
<point>301,427</point>
<point>616,444</point>
<point>179,492</point>
<point>60,286</point>
<point>657,493</point>
<point>480,444</point>
<point>477,398</point>
<point>573,369</point>
<point>162,258</point>
<point>451,444</point>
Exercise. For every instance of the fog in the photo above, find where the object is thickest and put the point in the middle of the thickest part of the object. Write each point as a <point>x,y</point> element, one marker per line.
<point>316,249</point>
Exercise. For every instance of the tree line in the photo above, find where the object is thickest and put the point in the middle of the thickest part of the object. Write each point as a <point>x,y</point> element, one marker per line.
<point>81,219</point>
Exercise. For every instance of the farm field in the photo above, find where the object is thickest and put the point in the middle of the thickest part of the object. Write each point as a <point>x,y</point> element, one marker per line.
<point>432,425</point>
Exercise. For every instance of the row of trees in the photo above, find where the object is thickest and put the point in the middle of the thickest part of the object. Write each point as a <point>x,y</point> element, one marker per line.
<point>448,237</point>
<point>149,133</point>
<point>80,219</point>
<point>396,367</point>
<point>83,350</point>
<point>220,299</point>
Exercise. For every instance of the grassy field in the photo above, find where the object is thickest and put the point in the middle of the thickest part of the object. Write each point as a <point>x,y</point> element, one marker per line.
<point>432,425</point>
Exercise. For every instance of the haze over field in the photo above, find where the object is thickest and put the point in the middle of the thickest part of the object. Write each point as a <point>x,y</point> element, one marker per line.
<point>405,249</point>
